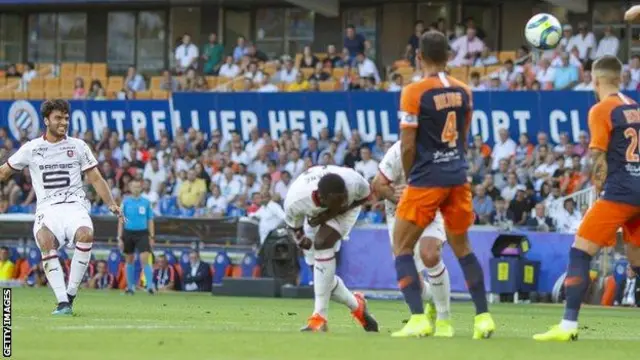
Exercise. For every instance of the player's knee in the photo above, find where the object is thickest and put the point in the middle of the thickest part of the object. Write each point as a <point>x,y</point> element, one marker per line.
<point>129,258</point>
<point>430,251</point>
<point>84,235</point>
<point>46,240</point>
<point>144,257</point>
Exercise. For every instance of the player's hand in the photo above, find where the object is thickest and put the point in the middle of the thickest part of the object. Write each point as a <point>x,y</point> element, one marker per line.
<point>305,243</point>
<point>117,211</point>
<point>632,14</point>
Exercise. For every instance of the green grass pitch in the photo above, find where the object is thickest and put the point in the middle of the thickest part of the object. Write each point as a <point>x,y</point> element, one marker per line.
<point>181,326</point>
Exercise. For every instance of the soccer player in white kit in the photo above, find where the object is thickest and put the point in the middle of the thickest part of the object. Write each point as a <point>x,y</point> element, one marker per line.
<point>389,184</point>
<point>56,164</point>
<point>321,208</point>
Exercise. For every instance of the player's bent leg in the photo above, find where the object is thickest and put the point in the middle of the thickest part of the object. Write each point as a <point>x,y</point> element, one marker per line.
<point>129,266</point>
<point>438,275</point>
<point>48,245</point>
<point>80,260</point>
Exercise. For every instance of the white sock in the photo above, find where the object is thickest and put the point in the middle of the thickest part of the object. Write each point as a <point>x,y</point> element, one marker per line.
<point>342,295</point>
<point>426,291</point>
<point>55,275</point>
<point>324,279</point>
<point>441,289</point>
<point>79,264</point>
<point>568,325</point>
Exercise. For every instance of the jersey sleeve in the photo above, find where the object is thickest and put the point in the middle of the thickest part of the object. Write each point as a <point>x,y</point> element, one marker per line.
<point>409,107</point>
<point>362,188</point>
<point>600,126</point>
<point>87,160</point>
<point>294,215</point>
<point>388,166</point>
<point>21,158</point>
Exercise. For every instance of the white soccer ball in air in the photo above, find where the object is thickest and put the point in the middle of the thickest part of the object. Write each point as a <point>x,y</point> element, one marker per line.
<point>543,31</point>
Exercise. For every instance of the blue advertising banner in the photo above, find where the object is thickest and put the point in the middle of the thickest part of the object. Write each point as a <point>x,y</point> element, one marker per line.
<point>370,113</point>
<point>366,260</point>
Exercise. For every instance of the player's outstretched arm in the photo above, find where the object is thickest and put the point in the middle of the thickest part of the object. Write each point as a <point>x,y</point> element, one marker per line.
<point>384,188</point>
<point>632,14</point>
<point>102,188</point>
<point>5,172</point>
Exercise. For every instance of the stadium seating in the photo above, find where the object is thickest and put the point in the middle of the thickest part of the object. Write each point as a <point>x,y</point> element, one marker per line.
<point>221,267</point>
<point>249,265</point>
<point>113,261</point>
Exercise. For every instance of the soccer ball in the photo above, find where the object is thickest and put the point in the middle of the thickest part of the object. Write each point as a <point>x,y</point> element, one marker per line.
<point>543,31</point>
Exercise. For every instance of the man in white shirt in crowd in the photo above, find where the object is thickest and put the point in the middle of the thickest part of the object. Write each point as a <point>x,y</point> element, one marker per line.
<point>567,37</point>
<point>266,86</point>
<point>504,148</point>
<point>568,219</point>
<point>260,166</point>
<point>295,166</point>
<point>282,186</point>
<point>271,215</point>
<point>367,68</point>
<point>155,174</point>
<point>545,74</point>
<point>397,82</point>
<point>608,45</point>
<point>584,41</point>
<point>509,72</point>
<point>545,171</point>
<point>367,167</point>
<point>216,203</point>
<point>587,82</point>
<point>628,293</point>
<point>289,73</point>
<point>634,68</point>
<point>238,155</point>
<point>509,191</point>
<point>230,186</point>
<point>627,83</point>
<point>186,55</point>
<point>254,145</point>
<point>467,49</point>
<point>150,195</point>
<point>229,69</point>
<point>475,83</point>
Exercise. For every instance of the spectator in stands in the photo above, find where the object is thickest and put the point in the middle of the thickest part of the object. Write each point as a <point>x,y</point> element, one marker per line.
<point>511,188</point>
<point>12,72</point>
<point>466,49</point>
<point>333,56</point>
<point>216,203</point>
<point>504,148</point>
<point>79,92</point>
<point>186,55</point>
<point>240,50</point>
<point>414,39</point>
<point>367,68</point>
<point>96,85</point>
<point>367,166</point>
<point>309,60</point>
<point>191,192</point>
<point>608,45</point>
<point>7,267</point>
<point>486,58</point>
<point>587,82</point>
<point>312,151</point>
<point>627,83</point>
<point>634,68</point>
<point>566,76</point>
<point>29,74</point>
<point>102,279</point>
<point>568,219</point>
<point>501,217</point>
<point>470,23</point>
<point>566,42</point>
<point>270,213</point>
<point>230,185</point>
<point>212,53</point>
<point>164,276</point>
<point>494,83</point>
<point>539,221</point>
<point>150,194</point>
<point>520,206</point>
<point>134,82</point>
<point>545,74</point>
<point>353,41</point>
<point>352,155</point>
<point>266,86</point>
<point>282,186</point>
<point>253,73</point>
<point>288,74</point>
<point>482,205</point>
<point>301,84</point>
<point>229,69</point>
<point>295,165</point>
<point>168,83</point>
<point>319,74</point>
<point>22,192</point>
<point>628,290</point>
<point>474,82</point>
<point>584,41</point>
<point>520,83</point>
<point>397,82</point>
<point>198,276</point>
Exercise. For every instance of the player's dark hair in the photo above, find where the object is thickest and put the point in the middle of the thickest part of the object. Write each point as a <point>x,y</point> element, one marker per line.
<point>434,47</point>
<point>331,184</point>
<point>50,106</point>
<point>607,63</point>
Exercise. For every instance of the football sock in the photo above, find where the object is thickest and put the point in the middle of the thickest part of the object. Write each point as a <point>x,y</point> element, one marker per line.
<point>474,276</point>
<point>409,283</point>
<point>441,289</point>
<point>55,275</point>
<point>79,264</point>
<point>342,295</point>
<point>148,276</point>
<point>575,286</point>
<point>426,293</point>
<point>131,276</point>
<point>324,279</point>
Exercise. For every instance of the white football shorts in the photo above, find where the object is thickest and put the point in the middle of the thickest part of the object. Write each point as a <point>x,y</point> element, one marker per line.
<point>434,230</point>
<point>63,220</point>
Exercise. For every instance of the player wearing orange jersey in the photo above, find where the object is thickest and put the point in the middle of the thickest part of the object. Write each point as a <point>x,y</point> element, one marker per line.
<point>614,123</point>
<point>436,113</point>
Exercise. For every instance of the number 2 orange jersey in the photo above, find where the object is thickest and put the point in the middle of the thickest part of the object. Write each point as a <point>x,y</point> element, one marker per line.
<point>440,108</point>
<point>614,124</point>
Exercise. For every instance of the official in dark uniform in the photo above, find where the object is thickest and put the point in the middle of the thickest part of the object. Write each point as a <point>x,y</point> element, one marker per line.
<point>138,233</point>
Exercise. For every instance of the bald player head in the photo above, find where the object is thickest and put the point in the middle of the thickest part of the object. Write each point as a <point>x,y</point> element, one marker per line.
<point>606,72</point>
<point>434,51</point>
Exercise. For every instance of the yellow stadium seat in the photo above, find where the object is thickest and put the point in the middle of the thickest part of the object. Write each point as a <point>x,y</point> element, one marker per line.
<point>67,83</point>
<point>143,95</point>
<point>57,94</point>
<point>298,60</point>
<point>160,94</point>
<point>321,56</point>
<point>99,70</point>
<point>20,95</point>
<point>20,68</point>
<point>506,55</point>
<point>67,70</point>
<point>306,72</point>
<point>51,84</point>
<point>155,82</point>
<point>6,95</point>
<point>13,83</point>
<point>3,80</point>
<point>36,84</point>
<point>329,85</point>
<point>459,73</point>
<point>479,70</point>
<point>212,81</point>
<point>338,73</point>
<point>36,95</point>
<point>238,85</point>
<point>115,83</point>
<point>83,70</point>
<point>44,69</point>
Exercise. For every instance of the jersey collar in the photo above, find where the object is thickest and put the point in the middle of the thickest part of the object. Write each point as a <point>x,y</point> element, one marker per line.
<point>44,137</point>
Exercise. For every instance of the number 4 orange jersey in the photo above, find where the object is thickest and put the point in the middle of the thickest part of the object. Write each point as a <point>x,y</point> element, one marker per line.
<point>614,124</point>
<point>439,107</point>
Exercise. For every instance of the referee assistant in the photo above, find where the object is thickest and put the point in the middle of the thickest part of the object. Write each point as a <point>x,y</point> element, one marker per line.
<point>137,233</point>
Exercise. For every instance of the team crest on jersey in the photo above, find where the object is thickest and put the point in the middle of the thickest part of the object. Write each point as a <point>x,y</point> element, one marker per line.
<point>23,116</point>
<point>70,153</point>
